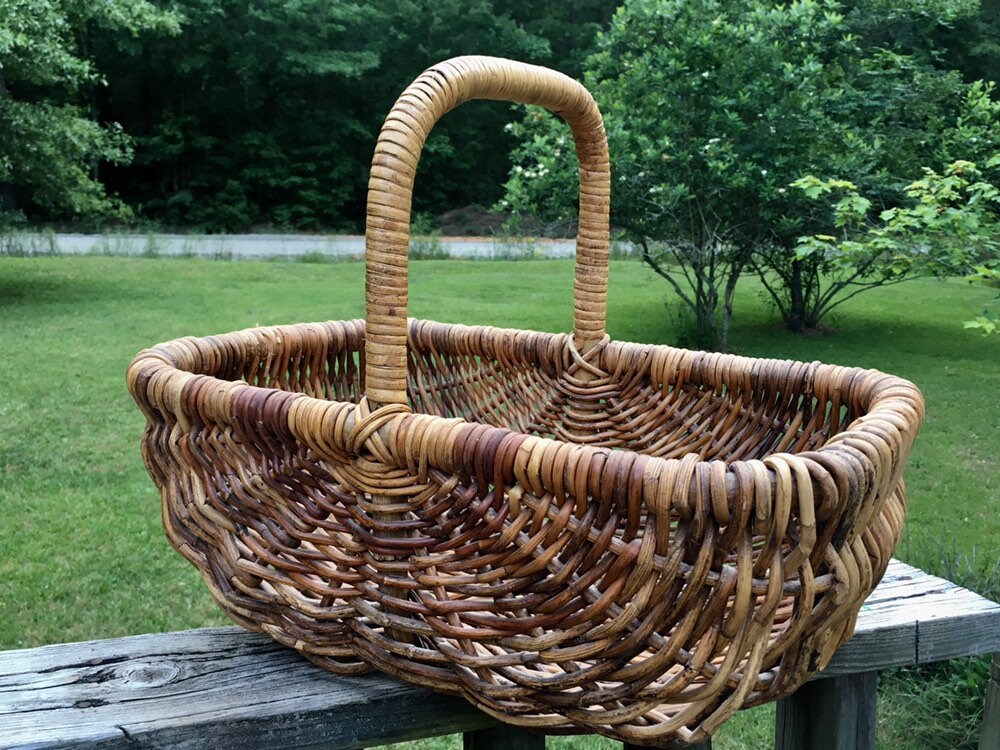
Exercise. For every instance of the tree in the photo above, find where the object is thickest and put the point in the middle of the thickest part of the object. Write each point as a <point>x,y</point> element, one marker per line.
<point>708,107</point>
<point>946,226</point>
<point>50,144</point>
<point>972,43</point>
<point>714,109</point>
<point>569,28</point>
<point>267,113</point>
<point>892,112</point>
<point>249,115</point>
<point>937,226</point>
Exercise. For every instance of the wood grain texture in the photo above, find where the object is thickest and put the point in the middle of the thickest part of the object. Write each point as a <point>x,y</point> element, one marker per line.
<point>835,714</point>
<point>916,618</point>
<point>989,738</point>
<point>221,688</point>
<point>226,688</point>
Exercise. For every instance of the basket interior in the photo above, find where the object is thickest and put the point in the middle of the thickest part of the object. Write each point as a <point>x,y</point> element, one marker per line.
<point>530,386</point>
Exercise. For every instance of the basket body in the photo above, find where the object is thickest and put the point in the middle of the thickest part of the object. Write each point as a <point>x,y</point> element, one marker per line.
<point>637,541</point>
<point>575,534</point>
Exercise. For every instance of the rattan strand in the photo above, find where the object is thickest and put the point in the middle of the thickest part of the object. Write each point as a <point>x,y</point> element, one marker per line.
<point>575,534</point>
<point>390,191</point>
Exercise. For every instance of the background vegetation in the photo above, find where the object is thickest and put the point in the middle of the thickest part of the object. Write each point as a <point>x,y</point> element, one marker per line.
<point>224,115</point>
<point>220,115</point>
<point>727,121</point>
<point>256,114</point>
<point>771,160</point>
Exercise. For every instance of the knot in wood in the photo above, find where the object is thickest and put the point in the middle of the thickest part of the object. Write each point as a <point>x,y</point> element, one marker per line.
<point>147,674</point>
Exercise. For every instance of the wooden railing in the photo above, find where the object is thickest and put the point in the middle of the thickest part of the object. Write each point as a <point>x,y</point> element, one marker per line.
<point>226,689</point>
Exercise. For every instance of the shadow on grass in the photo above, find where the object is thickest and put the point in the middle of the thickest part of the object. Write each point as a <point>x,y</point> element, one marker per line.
<point>26,290</point>
<point>862,337</point>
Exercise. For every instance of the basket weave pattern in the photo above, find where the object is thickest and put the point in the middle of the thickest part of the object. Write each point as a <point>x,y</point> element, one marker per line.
<point>575,534</point>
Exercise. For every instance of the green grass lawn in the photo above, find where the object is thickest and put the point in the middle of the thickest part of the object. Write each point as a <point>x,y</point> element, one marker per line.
<point>82,554</point>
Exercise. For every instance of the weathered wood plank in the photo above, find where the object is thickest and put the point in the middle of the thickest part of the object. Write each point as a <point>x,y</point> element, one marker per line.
<point>226,688</point>
<point>834,714</point>
<point>939,639</point>
<point>892,646</point>
<point>989,737</point>
<point>503,737</point>
<point>221,688</point>
<point>916,618</point>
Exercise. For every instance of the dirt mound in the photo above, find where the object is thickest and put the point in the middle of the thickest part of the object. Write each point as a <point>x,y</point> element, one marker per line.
<point>477,221</point>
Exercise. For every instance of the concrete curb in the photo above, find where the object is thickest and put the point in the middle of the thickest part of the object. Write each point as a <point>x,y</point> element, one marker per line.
<point>291,246</point>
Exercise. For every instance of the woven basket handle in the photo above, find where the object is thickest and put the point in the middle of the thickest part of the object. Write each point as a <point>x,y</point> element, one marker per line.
<point>390,191</point>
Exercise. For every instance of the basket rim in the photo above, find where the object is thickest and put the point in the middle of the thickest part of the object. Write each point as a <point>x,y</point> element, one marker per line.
<point>161,385</point>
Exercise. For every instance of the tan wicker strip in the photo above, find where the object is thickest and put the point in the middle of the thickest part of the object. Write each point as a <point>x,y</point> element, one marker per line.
<point>390,191</point>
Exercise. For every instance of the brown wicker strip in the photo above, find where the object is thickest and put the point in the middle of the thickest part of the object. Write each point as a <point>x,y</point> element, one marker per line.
<point>577,535</point>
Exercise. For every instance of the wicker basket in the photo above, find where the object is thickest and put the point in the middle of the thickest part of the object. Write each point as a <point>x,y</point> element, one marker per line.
<point>577,535</point>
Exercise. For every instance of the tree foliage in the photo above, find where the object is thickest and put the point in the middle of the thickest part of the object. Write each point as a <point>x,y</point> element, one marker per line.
<point>248,114</point>
<point>569,27</point>
<point>946,226</point>
<point>267,113</point>
<point>971,44</point>
<point>49,143</point>
<point>715,108</point>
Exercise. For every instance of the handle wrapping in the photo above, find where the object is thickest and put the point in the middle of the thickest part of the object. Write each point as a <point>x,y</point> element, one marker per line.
<point>390,192</point>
